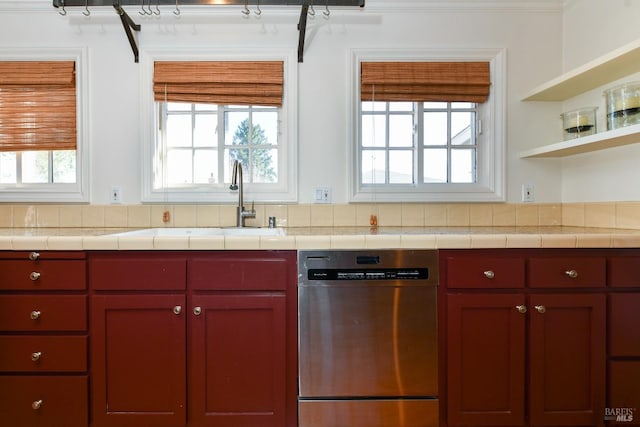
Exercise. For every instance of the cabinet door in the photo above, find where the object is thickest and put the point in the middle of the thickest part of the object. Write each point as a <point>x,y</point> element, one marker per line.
<point>138,360</point>
<point>485,356</point>
<point>567,359</point>
<point>238,360</point>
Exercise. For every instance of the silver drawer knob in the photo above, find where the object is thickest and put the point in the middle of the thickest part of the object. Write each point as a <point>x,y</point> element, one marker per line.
<point>489,274</point>
<point>37,404</point>
<point>35,356</point>
<point>177,309</point>
<point>197,311</point>
<point>33,256</point>
<point>541,308</point>
<point>35,315</point>
<point>571,273</point>
<point>521,308</point>
<point>34,276</point>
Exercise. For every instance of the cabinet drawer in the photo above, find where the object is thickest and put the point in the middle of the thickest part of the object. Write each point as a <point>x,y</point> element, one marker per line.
<point>44,401</point>
<point>138,272</point>
<point>624,272</point>
<point>478,272</point>
<point>43,313</point>
<point>566,272</point>
<point>624,325</point>
<point>25,275</point>
<point>43,353</point>
<point>238,272</point>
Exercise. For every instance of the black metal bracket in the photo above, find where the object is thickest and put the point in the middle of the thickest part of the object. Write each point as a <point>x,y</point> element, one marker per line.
<point>129,25</point>
<point>302,29</point>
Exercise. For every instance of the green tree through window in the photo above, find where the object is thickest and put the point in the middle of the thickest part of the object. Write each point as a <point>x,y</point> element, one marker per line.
<point>255,152</point>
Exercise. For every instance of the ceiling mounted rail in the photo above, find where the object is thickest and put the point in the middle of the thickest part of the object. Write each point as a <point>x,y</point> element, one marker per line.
<point>129,25</point>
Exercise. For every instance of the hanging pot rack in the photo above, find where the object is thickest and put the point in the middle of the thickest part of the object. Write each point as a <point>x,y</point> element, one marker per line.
<point>306,7</point>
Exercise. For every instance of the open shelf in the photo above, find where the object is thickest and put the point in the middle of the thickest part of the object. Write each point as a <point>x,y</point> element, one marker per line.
<point>614,65</point>
<point>609,139</point>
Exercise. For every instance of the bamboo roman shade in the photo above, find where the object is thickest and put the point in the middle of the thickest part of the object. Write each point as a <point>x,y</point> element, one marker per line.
<point>425,81</point>
<point>37,105</point>
<point>219,82</point>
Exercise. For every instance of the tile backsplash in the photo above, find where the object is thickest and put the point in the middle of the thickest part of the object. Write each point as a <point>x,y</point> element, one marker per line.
<point>608,215</point>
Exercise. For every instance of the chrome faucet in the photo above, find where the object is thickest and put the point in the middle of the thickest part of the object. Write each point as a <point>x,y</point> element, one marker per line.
<point>236,184</point>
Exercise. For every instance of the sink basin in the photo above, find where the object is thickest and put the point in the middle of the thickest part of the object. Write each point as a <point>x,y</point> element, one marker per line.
<point>202,231</point>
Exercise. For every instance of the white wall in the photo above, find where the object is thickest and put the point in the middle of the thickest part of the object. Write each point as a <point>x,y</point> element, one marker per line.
<point>591,29</point>
<point>531,31</point>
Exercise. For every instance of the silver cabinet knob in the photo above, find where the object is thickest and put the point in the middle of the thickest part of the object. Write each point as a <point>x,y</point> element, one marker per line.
<point>521,308</point>
<point>33,256</point>
<point>37,404</point>
<point>35,315</point>
<point>177,309</point>
<point>541,308</point>
<point>35,356</point>
<point>489,274</point>
<point>197,311</point>
<point>34,276</point>
<point>571,273</point>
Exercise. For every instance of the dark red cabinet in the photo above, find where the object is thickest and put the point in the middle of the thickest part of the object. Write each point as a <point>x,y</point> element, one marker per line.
<point>238,361</point>
<point>529,351</point>
<point>43,339</point>
<point>221,353</point>
<point>138,359</point>
<point>486,360</point>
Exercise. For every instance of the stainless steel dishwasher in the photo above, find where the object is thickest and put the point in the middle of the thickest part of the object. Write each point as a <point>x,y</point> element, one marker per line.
<point>368,338</point>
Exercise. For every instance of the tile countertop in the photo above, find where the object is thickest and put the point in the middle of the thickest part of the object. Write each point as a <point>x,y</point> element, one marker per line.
<point>19,239</point>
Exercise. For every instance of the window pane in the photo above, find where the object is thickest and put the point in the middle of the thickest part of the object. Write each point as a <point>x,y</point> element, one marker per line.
<point>373,167</point>
<point>401,167</point>
<point>462,166</point>
<point>179,167</point>
<point>461,126</point>
<point>374,106</point>
<point>242,155</point>
<point>456,105</point>
<point>435,128</point>
<point>204,134</point>
<point>435,165</point>
<point>178,106</point>
<point>401,130</point>
<point>8,174</point>
<point>374,131</point>
<point>265,168</point>
<point>265,127</point>
<point>205,166</point>
<point>435,105</point>
<point>64,166</point>
<point>206,107</point>
<point>35,167</point>
<point>236,128</point>
<point>178,130</point>
<point>401,106</point>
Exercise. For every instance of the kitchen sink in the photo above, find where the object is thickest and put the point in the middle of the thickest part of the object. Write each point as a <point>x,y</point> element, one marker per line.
<point>202,231</point>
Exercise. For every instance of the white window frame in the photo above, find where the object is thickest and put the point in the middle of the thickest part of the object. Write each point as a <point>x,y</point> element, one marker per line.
<point>77,192</point>
<point>490,185</point>
<point>286,191</point>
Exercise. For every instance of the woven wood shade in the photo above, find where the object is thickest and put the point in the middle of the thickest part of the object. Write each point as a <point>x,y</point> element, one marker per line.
<point>37,105</point>
<point>219,82</point>
<point>425,81</point>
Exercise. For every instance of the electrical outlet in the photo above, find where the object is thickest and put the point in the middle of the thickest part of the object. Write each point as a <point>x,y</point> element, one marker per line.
<point>527,193</point>
<point>116,195</point>
<point>322,195</point>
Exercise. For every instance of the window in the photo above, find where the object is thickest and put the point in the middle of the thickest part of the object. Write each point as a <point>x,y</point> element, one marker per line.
<point>209,113</point>
<point>41,152</point>
<point>433,141</point>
